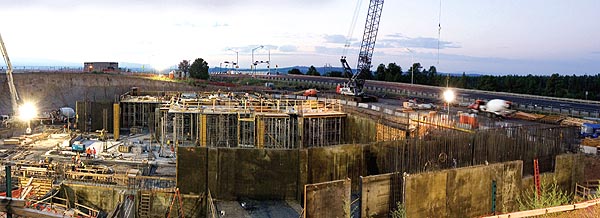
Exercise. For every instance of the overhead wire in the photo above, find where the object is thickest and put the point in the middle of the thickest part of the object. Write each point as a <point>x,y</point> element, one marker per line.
<point>438,43</point>
<point>439,32</point>
<point>352,27</point>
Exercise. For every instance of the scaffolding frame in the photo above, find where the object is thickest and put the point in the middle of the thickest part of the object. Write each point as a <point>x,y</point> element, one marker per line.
<point>219,120</point>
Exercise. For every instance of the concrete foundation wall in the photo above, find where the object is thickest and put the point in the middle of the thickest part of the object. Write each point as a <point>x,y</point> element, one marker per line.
<point>231,173</point>
<point>257,174</point>
<point>107,198</point>
<point>192,170</point>
<point>193,206</point>
<point>98,197</point>
<point>335,163</point>
<point>463,192</point>
<point>360,130</point>
<point>467,192</point>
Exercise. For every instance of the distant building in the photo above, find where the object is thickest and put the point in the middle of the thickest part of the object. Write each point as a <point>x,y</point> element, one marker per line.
<point>100,66</point>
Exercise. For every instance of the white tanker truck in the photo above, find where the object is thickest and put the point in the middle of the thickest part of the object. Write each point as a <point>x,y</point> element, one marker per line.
<point>493,108</point>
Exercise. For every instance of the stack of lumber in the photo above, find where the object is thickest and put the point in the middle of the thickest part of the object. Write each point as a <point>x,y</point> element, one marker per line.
<point>527,116</point>
<point>591,142</point>
<point>552,119</point>
<point>571,121</point>
<point>41,186</point>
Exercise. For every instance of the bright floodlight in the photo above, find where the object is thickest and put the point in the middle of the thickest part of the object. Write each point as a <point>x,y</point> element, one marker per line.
<point>27,111</point>
<point>449,95</point>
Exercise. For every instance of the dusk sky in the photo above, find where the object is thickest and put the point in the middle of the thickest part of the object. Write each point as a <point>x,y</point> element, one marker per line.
<point>488,36</point>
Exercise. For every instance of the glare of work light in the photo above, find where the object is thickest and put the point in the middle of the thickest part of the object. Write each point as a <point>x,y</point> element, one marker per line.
<point>449,95</point>
<point>27,111</point>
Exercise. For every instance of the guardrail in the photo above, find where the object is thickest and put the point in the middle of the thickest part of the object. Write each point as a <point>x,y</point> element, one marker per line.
<point>569,111</point>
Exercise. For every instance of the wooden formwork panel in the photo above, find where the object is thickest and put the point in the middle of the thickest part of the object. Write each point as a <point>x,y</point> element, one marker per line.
<point>328,199</point>
<point>375,195</point>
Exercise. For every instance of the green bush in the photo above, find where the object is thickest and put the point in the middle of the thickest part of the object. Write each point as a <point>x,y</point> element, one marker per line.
<point>551,196</point>
<point>399,212</point>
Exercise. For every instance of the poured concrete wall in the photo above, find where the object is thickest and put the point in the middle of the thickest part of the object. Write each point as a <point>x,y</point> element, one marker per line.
<point>192,170</point>
<point>360,130</point>
<point>568,171</point>
<point>193,206</point>
<point>234,172</point>
<point>335,163</point>
<point>107,198</point>
<point>257,174</point>
<point>98,197</point>
<point>463,192</point>
<point>467,192</point>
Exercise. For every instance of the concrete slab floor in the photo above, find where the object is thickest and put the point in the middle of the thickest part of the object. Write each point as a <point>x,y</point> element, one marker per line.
<point>248,208</point>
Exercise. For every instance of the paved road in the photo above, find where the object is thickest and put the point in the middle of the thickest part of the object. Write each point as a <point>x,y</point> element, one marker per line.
<point>538,102</point>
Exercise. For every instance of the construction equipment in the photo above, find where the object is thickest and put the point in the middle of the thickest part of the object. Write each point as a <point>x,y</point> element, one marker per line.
<point>590,130</point>
<point>495,107</point>
<point>308,93</point>
<point>355,85</point>
<point>413,105</point>
<point>14,97</point>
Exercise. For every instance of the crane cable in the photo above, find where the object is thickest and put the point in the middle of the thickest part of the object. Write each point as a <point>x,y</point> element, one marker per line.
<point>352,27</point>
<point>438,43</point>
<point>439,33</point>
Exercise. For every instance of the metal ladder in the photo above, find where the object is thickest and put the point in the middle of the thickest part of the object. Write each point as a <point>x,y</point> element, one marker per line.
<point>176,196</point>
<point>536,178</point>
<point>145,202</point>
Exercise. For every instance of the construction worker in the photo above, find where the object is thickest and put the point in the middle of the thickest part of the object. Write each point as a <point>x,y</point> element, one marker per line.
<point>87,153</point>
<point>94,152</point>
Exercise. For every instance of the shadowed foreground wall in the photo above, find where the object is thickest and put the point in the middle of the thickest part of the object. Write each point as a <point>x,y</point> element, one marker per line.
<point>467,192</point>
<point>231,173</point>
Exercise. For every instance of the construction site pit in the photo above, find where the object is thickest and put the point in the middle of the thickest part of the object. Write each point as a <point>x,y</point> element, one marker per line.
<point>244,154</point>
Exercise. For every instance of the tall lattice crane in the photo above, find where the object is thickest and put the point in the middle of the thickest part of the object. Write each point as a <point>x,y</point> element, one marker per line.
<point>354,86</point>
<point>14,96</point>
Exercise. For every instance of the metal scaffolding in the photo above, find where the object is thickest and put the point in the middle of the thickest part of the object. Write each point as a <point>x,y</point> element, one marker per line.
<point>226,120</point>
<point>322,131</point>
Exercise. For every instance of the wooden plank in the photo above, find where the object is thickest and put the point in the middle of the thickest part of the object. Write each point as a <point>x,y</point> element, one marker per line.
<point>543,211</point>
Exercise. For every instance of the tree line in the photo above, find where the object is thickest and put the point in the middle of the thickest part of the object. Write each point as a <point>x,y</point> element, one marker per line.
<point>555,85</point>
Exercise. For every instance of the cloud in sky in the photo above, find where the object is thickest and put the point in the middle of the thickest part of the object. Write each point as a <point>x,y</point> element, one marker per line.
<point>217,25</point>
<point>288,48</point>
<point>401,41</point>
<point>337,39</point>
<point>304,32</point>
